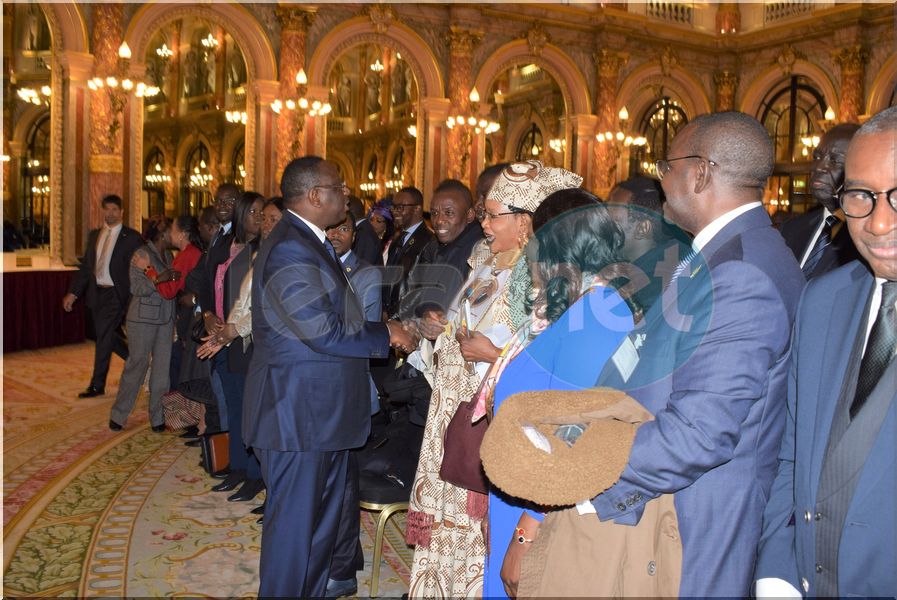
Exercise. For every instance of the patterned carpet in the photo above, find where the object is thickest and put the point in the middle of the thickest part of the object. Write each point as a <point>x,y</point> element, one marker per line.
<point>90,512</point>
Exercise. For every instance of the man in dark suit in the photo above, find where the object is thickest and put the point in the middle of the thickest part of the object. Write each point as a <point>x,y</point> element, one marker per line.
<point>408,218</point>
<point>710,360</point>
<point>104,277</point>
<point>307,399</point>
<point>367,245</point>
<point>830,528</point>
<point>365,279</point>
<point>818,238</point>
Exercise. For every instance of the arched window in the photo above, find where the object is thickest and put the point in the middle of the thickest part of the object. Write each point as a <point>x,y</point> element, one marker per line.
<point>238,164</point>
<point>197,180</point>
<point>36,181</point>
<point>154,179</point>
<point>792,114</point>
<point>659,126</point>
<point>531,144</point>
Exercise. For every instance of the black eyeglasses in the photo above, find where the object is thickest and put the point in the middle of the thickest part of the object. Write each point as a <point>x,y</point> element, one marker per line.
<point>336,186</point>
<point>401,207</point>
<point>226,200</point>
<point>857,203</point>
<point>493,216</point>
<point>663,166</point>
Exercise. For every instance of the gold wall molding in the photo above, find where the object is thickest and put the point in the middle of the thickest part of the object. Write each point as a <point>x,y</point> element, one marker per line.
<point>106,163</point>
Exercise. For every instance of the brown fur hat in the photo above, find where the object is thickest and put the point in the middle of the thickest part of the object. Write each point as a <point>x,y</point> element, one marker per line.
<point>568,474</point>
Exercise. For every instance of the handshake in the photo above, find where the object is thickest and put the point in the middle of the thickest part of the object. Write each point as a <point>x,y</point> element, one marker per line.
<point>402,337</point>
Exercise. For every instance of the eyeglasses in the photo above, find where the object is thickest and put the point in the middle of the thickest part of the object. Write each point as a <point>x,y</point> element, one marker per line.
<point>401,207</point>
<point>226,200</point>
<point>857,203</point>
<point>663,166</point>
<point>336,186</point>
<point>493,216</point>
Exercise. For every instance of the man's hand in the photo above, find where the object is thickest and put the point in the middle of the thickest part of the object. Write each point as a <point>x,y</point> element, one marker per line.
<point>399,338</point>
<point>68,301</point>
<point>212,323</point>
<point>510,568</point>
<point>431,324</point>
<point>140,260</point>
<point>476,347</point>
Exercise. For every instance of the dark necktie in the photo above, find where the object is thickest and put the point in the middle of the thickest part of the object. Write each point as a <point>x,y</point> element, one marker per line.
<point>822,242</point>
<point>681,267</point>
<point>880,347</point>
<point>332,251</point>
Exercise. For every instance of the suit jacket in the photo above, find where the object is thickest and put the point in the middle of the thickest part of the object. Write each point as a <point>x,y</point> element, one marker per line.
<point>713,374</point>
<point>147,305</point>
<point>204,282</point>
<point>403,256</point>
<point>240,350</point>
<point>831,315</point>
<point>307,388</point>
<point>366,280</point>
<point>368,246</point>
<point>84,284</point>
<point>799,231</point>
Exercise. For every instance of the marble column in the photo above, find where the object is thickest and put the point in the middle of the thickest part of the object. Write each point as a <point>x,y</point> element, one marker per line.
<point>852,60</point>
<point>460,137</point>
<point>430,164</point>
<point>606,154</point>
<point>579,152</point>
<point>10,211</point>
<point>106,113</point>
<point>294,24</point>
<point>726,84</point>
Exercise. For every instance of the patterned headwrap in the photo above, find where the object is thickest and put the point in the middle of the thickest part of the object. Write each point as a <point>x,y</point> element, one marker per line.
<point>382,208</point>
<point>526,184</point>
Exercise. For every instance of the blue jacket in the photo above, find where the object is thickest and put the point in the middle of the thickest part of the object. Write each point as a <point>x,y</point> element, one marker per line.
<point>712,371</point>
<point>829,320</point>
<point>307,387</point>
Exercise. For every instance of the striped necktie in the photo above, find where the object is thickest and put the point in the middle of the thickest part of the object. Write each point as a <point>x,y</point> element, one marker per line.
<point>880,347</point>
<point>822,242</point>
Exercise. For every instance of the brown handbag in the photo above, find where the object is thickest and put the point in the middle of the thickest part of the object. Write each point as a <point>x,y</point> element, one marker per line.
<point>461,450</point>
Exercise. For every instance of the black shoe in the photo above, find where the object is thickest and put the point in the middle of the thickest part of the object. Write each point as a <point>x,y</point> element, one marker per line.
<point>258,510</point>
<point>250,490</point>
<point>339,588</point>
<point>190,433</point>
<point>159,428</point>
<point>260,520</point>
<point>222,474</point>
<point>231,482</point>
<point>114,426</point>
<point>92,392</point>
<point>193,443</point>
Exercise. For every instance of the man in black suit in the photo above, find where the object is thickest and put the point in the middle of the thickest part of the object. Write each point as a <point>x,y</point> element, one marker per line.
<point>408,218</point>
<point>367,245</point>
<point>818,239</point>
<point>104,278</point>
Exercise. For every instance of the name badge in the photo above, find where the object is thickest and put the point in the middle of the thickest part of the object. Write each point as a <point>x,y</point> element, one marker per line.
<point>626,358</point>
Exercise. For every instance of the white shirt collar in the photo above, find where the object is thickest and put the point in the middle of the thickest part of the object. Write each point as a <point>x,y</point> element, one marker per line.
<point>115,229</point>
<point>226,227</point>
<point>708,233</point>
<point>345,257</point>
<point>314,228</point>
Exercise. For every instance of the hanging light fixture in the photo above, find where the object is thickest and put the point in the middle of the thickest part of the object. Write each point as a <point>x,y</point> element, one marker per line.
<point>621,135</point>
<point>303,104</point>
<point>479,124</point>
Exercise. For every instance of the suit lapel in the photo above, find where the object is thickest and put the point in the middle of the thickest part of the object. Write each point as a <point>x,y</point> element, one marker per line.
<point>836,357</point>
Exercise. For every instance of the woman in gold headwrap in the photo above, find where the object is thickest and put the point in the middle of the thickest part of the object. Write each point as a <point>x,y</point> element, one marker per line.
<point>444,521</point>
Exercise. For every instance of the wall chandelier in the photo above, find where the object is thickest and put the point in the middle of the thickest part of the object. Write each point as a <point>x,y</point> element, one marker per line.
<point>479,124</point>
<point>621,135</point>
<point>302,103</point>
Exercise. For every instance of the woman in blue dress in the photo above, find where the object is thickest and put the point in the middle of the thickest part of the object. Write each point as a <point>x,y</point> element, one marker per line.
<point>582,317</point>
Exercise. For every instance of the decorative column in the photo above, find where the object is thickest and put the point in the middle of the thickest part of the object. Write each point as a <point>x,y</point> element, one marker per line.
<point>10,211</point>
<point>579,153</point>
<point>609,64</point>
<point>852,60</point>
<point>106,148</point>
<point>294,23</point>
<point>261,151</point>
<point>462,42</point>
<point>726,84</point>
<point>430,158</point>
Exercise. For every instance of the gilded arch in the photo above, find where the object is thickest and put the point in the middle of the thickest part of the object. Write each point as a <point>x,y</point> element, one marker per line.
<point>554,60</point>
<point>759,87</point>
<point>637,90</point>
<point>882,87</point>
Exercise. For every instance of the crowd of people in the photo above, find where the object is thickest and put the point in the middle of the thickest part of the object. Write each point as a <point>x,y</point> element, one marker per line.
<point>665,406</point>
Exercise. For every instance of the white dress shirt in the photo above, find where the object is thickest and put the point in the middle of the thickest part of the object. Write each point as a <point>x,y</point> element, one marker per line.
<point>104,277</point>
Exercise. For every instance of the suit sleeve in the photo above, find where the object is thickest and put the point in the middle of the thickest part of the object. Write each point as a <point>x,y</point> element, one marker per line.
<point>82,277</point>
<point>141,285</point>
<point>297,289</point>
<point>776,553</point>
<point>724,371</point>
<point>367,284</point>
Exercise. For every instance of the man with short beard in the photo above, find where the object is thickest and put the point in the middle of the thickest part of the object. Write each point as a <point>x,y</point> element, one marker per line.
<point>819,239</point>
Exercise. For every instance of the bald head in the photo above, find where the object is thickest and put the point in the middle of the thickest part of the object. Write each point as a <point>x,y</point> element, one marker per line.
<point>827,171</point>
